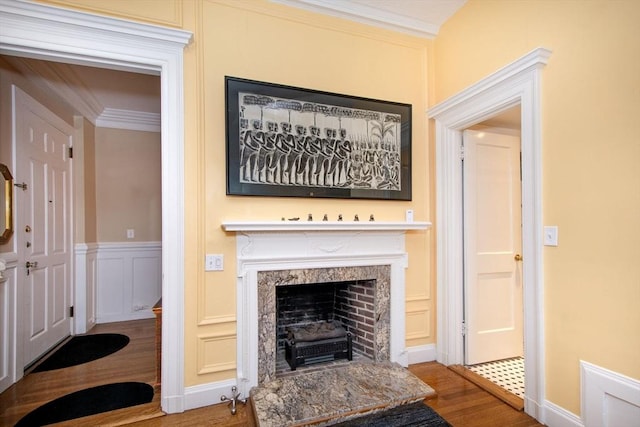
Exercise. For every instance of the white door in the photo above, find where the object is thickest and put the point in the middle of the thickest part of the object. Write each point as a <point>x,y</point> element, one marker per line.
<point>43,225</point>
<point>493,241</point>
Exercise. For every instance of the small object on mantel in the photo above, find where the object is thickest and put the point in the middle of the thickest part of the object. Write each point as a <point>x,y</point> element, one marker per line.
<point>339,217</point>
<point>355,218</point>
<point>310,217</point>
<point>283,218</point>
<point>325,217</point>
<point>297,218</point>
<point>371,218</point>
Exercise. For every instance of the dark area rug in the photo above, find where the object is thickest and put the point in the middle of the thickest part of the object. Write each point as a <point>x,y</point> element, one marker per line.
<point>413,415</point>
<point>90,401</point>
<point>82,349</point>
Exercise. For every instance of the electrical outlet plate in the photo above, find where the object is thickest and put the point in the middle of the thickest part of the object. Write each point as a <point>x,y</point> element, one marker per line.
<point>214,262</point>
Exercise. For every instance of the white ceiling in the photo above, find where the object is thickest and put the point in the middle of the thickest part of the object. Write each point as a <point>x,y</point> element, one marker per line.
<point>120,99</point>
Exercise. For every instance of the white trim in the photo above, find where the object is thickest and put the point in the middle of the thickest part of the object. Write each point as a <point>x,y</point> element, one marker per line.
<point>46,32</point>
<point>207,394</point>
<point>277,226</point>
<point>129,119</point>
<point>555,416</point>
<point>376,16</point>
<point>84,316</point>
<point>517,83</point>
<point>599,388</point>
<point>421,353</point>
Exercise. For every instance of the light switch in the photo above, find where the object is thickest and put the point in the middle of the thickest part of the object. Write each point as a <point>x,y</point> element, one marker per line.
<point>551,235</point>
<point>131,233</point>
<point>214,262</point>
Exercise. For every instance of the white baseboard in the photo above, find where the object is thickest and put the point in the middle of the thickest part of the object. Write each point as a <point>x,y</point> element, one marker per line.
<point>555,416</point>
<point>207,394</point>
<point>142,314</point>
<point>421,353</point>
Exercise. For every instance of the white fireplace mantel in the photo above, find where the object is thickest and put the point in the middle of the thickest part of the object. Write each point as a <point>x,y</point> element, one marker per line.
<point>302,245</point>
<point>280,226</point>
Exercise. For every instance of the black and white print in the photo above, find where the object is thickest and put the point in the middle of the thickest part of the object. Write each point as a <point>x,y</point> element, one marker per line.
<point>286,141</point>
<point>293,143</point>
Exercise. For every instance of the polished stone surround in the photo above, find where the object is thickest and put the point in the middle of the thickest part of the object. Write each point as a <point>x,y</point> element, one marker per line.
<point>269,280</point>
<point>335,395</point>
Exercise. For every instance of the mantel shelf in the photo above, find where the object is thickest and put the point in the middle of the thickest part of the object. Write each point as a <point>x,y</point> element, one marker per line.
<point>283,226</point>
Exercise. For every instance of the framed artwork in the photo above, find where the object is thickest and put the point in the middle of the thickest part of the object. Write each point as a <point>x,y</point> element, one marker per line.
<point>289,141</point>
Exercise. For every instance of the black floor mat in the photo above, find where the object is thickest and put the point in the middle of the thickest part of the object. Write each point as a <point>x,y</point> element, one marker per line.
<point>414,415</point>
<point>90,401</point>
<point>82,349</point>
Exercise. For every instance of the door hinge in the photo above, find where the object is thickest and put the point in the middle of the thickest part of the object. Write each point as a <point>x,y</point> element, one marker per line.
<point>461,152</point>
<point>464,329</point>
<point>71,152</point>
<point>71,311</point>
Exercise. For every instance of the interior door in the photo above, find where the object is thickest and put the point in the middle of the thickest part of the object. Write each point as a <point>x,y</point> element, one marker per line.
<point>43,224</point>
<point>493,240</point>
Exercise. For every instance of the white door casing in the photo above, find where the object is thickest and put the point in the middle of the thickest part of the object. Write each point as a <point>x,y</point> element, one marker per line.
<point>516,83</point>
<point>492,240</point>
<point>43,224</point>
<point>52,33</point>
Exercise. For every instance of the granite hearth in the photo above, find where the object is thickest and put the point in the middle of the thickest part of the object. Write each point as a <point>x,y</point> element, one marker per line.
<point>332,396</point>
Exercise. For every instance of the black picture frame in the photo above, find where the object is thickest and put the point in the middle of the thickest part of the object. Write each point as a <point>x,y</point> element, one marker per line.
<point>295,142</point>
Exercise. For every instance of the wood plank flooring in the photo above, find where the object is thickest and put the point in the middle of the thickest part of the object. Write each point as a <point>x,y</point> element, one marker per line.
<point>460,402</point>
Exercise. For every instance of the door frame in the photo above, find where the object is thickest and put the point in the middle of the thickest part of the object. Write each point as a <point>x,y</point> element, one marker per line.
<point>52,33</point>
<point>516,83</point>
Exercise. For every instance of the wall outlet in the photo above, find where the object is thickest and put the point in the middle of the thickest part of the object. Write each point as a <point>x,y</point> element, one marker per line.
<point>131,233</point>
<point>214,262</point>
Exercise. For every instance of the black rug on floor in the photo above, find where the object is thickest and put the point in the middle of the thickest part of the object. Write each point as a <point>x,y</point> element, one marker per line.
<point>413,415</point>
<point>90,401</point>
<point>82,349</point>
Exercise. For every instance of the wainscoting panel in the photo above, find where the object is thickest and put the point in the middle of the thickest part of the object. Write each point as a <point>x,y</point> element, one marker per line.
<point>7,327</point>
<point>128,280</point>
<point>609,399</point>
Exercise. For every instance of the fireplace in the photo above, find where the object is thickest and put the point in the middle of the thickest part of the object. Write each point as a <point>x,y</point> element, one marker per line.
<point>374,333</point>
<point>271,255</point>
<point>318,311</point>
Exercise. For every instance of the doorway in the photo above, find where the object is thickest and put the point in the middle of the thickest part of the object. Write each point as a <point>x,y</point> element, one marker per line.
<point>46,32</point>
<point>518,83</point>
<point>115,196</point>
<point>493,286</point>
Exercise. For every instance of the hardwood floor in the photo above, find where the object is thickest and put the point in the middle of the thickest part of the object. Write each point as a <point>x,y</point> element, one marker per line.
<point>460,402</point>
<point>135,362</point>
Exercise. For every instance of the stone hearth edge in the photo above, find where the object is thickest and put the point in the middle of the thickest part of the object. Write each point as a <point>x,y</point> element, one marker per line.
<point>330,396</point>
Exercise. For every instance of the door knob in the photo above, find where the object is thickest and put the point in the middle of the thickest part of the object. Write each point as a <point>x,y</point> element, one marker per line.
<point>518,257</point>
<point>33,264</point>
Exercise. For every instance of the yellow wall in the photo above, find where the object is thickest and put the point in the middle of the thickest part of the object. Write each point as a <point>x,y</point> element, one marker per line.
<point>259,40</point>
<point>591,178</point>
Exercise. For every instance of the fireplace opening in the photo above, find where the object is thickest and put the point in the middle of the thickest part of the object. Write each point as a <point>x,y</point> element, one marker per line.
<point>324,322</point>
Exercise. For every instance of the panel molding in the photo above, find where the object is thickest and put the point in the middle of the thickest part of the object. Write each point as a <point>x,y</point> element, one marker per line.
<point>609,399</point>
<point>119,273</point>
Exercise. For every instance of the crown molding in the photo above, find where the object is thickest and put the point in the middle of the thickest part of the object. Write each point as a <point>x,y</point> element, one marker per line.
<point>62,80</point>
<point>129,119</point>
<point>367,15</point>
